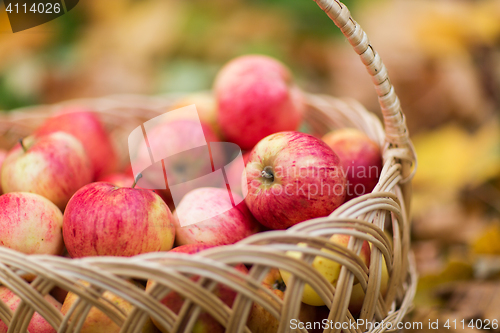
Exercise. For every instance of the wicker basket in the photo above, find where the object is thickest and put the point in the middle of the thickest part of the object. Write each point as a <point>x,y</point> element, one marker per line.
<point>364,218</point>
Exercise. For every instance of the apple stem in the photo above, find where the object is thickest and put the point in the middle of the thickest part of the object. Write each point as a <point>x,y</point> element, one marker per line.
<point>139,176</point>
<point>280,285</point>
<point>22,145</point>
<point>267,174</point>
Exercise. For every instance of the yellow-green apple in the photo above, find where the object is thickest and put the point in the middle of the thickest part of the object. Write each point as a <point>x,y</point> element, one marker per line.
<point>292,177</point>
<point>256,97</point>
<point>174,301</point>
<point>328,268</point>
<point>37,323</point>
<point>3,153</point>
<point>97,321</point>
<point>261,321</point>
<point>209,215</point>
<point>205,105</point>
<point>54,166</point>
<point>150,327</point>
<point>103,219</point>
<point>30,224</point>
<point>86,126</point>
<point>361,159</point>
<point>358,294</point>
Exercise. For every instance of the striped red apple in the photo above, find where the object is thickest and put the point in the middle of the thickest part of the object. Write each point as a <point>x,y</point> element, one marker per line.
<point>37,323</point>
<point>256,96</point>
<point>86,126</point>
<point>361,159</point>
<point>293,177</point>
<point>207,215</point>
<point>31,224</point>
<point>54,166</point>
<point>104,219</point>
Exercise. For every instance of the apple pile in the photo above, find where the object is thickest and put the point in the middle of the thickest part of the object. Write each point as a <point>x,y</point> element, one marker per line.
<point>64,189</point>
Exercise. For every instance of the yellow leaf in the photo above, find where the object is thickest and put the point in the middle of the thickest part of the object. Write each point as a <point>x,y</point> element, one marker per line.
<point>449,28</point>
<point>488,242</point>
<point>451,158</point>
<point>455,270</point>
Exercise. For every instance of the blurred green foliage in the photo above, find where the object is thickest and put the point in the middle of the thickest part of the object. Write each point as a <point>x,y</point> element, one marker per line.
<point>69,27</point>
<point>9,99</point>
<point>184,75</point>
<point>307,18</point>
<point>67,30</point>
<point>205,35</point>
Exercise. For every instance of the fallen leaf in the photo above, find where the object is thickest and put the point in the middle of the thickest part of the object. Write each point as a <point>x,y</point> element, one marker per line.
<point>488,242</point>
<point>450,159</point>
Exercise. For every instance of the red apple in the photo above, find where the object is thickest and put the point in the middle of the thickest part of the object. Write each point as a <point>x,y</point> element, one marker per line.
<point>30,224</point>
<point>191,248</point>
<point>126,179</point>
<point>128,170</point>
<point>207,215</point>
<point>54,166</point>
<point>103,219</point>
<point>256,97</point>
<point>3,154</point>
<point>175,138</point>
<point>234,174</point>
<point>179,151</point>
<point>37,323</point>
<point>361,159</point>
<point>292,177</point>
<point>174,301</point>
<point>261,321</point>
<point>118,179</point>
<point>85,125</point>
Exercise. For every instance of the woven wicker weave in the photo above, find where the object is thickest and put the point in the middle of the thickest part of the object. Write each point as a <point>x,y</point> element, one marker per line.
<point>364,218</point>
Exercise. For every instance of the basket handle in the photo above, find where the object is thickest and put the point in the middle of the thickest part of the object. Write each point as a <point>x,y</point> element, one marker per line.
<point>396,131</point>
